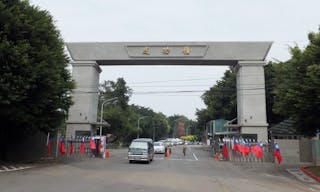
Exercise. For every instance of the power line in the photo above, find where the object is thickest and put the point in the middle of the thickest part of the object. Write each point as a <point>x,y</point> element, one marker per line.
<point>179,80</point>
<point>171,85</point>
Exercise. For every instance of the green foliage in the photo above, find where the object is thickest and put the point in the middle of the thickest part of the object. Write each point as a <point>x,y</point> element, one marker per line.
<point>118,115</point>
<point>297,90</point>
<point>34,82</point>
<point>270,83</point>
<point>221,98</point>
<point>118,89</point>
<point>124,117</point>
<point>220,101</point>
<point>189,138</point>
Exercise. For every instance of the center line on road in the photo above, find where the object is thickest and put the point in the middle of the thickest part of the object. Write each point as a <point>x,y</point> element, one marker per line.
<point>195,156</point>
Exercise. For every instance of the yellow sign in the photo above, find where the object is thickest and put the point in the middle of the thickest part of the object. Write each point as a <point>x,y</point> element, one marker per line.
<point>146,51</point>
<point>186,51</point>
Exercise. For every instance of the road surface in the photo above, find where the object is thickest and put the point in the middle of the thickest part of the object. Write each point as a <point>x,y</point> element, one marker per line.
<point>197,171</point>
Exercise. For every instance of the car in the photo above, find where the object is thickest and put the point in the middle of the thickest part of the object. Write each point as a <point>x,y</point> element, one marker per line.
<point>159,147</point>
<point>141,150</point>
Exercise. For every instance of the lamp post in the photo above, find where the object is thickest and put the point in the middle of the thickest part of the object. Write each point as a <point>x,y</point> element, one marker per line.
<point>139,125</point>
<point>101,112</point>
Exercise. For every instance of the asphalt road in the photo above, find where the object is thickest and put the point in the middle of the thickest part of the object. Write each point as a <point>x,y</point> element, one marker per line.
<point>195,172</point>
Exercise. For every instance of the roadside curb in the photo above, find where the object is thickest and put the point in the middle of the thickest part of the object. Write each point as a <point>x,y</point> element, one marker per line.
<point>309,173</point>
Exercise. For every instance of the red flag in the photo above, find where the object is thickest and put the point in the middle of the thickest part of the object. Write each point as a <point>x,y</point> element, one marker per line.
<point>246,150</point>
<point>82,146</point>
<point>236,146</point>
<point>92,144</point>
<point>240,147</point>
<point>71,148</point>
<point>277,153</point>
<point>49,149</point>
<point>48,145</point>
<point>257,150</point>
<point>225,151</point>
<point>99,148</point>
<point>62,148</point>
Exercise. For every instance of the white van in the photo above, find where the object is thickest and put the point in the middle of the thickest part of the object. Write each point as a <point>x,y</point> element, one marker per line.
<point>141,150</point>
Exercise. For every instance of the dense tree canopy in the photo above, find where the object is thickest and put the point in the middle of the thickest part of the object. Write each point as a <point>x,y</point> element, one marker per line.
<point>124,117</point>
<point>220,101</point>
<point>34,82</point>
<point>297,91</point>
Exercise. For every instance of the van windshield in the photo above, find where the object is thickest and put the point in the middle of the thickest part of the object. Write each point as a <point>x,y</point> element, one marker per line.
<point>139,145</point>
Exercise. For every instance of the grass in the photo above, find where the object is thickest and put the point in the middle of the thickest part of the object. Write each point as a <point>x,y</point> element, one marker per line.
<point>314,170</point>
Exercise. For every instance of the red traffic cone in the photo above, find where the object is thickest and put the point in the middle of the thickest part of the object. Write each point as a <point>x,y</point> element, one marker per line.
<point>107,154</point>
<point>216,157</point>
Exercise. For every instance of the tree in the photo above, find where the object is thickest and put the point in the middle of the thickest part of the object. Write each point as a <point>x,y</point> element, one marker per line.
<point>221,99</point>
<point>123,117</point>
<point>119,89</point>
<point>297,90</point>
<point>120,115</point>
<point>270,84</point>
<point>35,84</point>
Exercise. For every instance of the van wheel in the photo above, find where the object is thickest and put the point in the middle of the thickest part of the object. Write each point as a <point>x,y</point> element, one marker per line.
<point>130,161</point>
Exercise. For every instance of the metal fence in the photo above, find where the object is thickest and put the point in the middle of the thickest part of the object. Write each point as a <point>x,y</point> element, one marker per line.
<point>74,143</point>
<point>239,157</point>
<point>268,156</point>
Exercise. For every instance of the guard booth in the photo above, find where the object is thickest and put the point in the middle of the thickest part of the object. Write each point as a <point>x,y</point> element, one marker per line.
<point>219,132</point>
<point>101,146</point>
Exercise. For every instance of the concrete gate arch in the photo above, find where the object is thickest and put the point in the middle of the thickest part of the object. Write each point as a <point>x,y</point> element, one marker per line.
<point>247,58</point>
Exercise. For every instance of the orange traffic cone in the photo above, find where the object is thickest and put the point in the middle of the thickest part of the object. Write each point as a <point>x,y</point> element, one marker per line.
<point>216,156</point>
<point>107,154</point>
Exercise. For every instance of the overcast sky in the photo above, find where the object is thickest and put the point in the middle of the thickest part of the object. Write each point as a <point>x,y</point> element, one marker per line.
<point>285,22</point>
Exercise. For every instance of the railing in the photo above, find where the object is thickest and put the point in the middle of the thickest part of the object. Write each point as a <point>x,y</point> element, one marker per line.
<point>76,143</point>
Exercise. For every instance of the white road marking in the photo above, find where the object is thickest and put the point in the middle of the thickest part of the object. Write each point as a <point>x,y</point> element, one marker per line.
<point>195,156</point>
<point>311,189</point>
<point>5,168</point>
<point>13,168</point>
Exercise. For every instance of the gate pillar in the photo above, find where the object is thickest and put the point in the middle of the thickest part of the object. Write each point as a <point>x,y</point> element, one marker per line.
<point>83,112</point>
<point>251,99</point>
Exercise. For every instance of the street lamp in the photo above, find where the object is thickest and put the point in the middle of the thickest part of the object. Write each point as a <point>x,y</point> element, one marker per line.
<point>101,112</point>
<point>139,125</point>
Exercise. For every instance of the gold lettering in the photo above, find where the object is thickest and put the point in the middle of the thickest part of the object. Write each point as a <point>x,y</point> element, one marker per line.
<point>166,51</point>
<point>186,51</point>
<point>146,51</point>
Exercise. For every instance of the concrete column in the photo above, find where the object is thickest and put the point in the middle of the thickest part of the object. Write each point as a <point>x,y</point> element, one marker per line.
<point>83,113</point>
<point>251,99</point>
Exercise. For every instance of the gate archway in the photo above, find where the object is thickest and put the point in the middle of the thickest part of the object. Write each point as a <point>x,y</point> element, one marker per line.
<point>247,58</point>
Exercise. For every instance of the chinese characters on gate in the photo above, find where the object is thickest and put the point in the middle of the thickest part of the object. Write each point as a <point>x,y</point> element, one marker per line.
<point>166,51</point>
